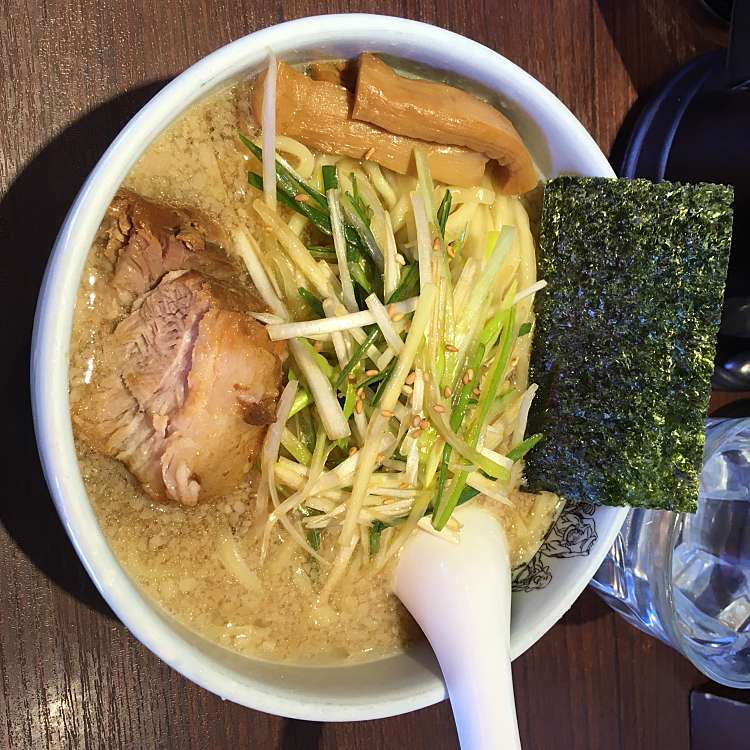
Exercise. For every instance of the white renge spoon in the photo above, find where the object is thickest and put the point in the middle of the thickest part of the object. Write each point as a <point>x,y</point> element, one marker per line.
<point>460,596</point>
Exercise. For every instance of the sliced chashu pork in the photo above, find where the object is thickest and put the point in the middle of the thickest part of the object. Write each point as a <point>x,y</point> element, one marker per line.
<point>149,239</point>
<point>187,381</point>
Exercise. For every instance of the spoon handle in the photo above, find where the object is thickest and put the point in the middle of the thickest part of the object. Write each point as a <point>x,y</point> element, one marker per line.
<point>460,596</point>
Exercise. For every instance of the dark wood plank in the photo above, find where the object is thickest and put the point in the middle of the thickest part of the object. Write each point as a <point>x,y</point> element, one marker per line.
<point>71,74</point>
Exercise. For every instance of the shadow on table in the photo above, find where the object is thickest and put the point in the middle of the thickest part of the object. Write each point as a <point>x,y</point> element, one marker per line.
<point>588,607</point>
<point>643,32</point>
<point>636,51</point>
<point>300,735</point>
<point>31,213</point>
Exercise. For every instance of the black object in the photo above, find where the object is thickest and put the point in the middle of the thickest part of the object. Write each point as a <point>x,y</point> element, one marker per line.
<point>739,409</point>
<point>697,129</point>
<point>719,719</point>
<point>721,10</point>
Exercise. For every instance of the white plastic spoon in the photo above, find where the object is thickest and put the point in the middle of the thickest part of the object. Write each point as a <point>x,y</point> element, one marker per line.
<point>460,596</point>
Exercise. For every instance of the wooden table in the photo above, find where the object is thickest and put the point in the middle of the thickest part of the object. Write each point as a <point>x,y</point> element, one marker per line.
<point>71,75</point>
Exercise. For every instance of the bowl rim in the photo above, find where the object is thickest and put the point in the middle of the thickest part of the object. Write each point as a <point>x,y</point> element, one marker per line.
<point>50,341</point>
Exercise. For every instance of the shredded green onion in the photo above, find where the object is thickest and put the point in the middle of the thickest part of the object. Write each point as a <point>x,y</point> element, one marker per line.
<point>514,454</point>
<point>374,536</point>
<point>377,378</point>
<point>296,447</point>
<point>384,377</point>
<point>408,286</point>
<point>445,506</point>
<point>285,179</point>
<point>356,431</point>
<point>443,212</point>
<point>330,179</point>
<point>358,204</point>
<point>356,358</point>
<point>361,267</point>
<point>315,305</point>
<point>301,400</point>
<point>321,252</point>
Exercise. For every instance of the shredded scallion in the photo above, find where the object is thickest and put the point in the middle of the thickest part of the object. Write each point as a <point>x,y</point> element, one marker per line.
<point>413,399</point>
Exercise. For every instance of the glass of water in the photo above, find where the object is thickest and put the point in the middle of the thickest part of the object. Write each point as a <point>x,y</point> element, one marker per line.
<point>685,578</point>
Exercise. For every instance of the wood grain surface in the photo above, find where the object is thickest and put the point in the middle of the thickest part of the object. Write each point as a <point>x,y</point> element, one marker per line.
<point>71,75</point>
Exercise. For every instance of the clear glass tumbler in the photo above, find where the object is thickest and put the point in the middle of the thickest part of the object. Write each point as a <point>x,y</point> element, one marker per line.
<point>685,578</point>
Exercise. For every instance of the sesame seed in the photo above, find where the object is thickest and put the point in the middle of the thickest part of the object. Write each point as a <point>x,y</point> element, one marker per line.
<point>351,377</point>
<point>398,316</point>
<point>317,346</point>
<point>451,251</point>
<point>410,378</point>
<point>424,423</point>
<point>450,348</point>
<point>389,500</point>
<point>415,420</point>
<point>352,450</point>
<point>302,198</point>
<point>476,392</point>
<point>440,409</point>
<point>404,485</point>
<point>371,373</point>
<point>360,392</point>
<point>358,406</point>
<point>387,413</point>
<point>470,374</point>
<point>436,244</point>
<point>399,258</point>
<point>466,379</point>
<point>447,392</point>
<point>416,433</point>
<point>380,458</point>
<point>426,377</point>
<point>391,310</point>
<point>407,389</point>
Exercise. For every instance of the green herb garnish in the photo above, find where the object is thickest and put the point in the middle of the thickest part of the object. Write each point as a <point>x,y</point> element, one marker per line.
<point>385,374</point>
<point>514,454</point>
<point>322,252</point>
<point>444,211</point>
<point>286,181</point>
<point>330,179</point>
<point>373,378</point>
<point>375,531</point>
<point>445,506</point>
<point>408,285</point>
<point>358,203</point>
<point>315,305</point>
<point>356,357</point>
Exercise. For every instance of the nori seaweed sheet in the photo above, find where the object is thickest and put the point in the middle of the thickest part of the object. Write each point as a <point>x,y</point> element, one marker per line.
<point>625,338</point>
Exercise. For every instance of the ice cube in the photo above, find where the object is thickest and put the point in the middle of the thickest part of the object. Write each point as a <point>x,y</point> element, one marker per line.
<point>736,615</point>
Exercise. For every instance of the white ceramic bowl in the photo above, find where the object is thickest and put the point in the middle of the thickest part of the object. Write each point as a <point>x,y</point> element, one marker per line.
<point>390,686</point>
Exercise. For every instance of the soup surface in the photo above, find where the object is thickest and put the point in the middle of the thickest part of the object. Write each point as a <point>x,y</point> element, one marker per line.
<point>204,564</point>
